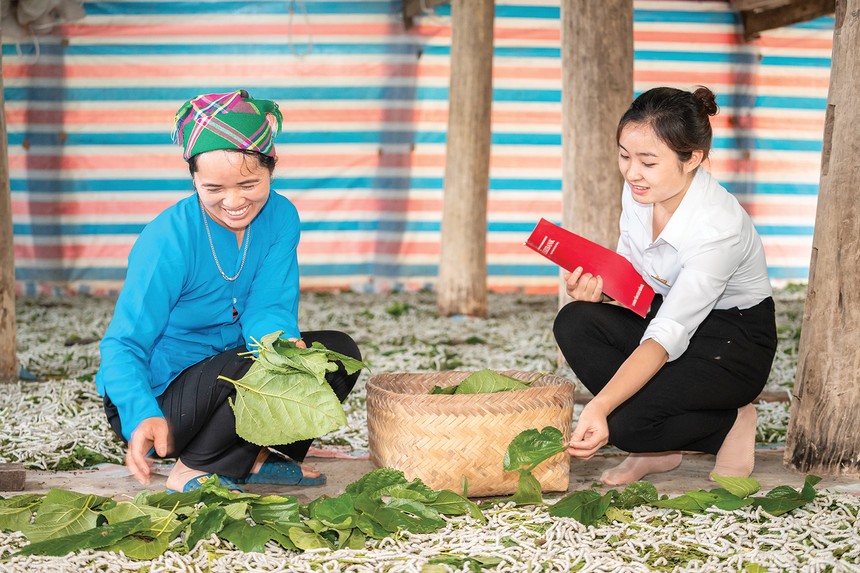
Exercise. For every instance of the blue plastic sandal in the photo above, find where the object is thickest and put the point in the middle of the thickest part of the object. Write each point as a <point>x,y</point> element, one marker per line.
<point>196,483</point>
<point>283,472</point>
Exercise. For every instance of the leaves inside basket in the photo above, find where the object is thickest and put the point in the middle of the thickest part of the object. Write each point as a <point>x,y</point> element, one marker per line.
<point>483,382</point>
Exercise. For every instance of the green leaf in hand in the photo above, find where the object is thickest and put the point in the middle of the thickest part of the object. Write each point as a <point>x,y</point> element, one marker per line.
<point>274,408</point>
<point>530,448</point>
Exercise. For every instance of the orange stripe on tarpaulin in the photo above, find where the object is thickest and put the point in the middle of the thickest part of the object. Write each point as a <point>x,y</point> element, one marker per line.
<point>159,118</point>
<point>500,32</point>
<point>162,119</point>
<point>311,247</point>
<point>72,252</point>
<point>739,77</point>
<point>268,70</point>
<point>289,160</point>
<point>75,207</point>
<point>286,160</point>
<point>305,205</point>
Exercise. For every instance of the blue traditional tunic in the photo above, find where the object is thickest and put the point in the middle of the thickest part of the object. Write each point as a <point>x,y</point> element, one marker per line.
<point>175,309</point>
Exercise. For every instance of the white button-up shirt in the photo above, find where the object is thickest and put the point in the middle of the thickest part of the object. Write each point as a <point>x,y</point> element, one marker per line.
<point>708,256</point>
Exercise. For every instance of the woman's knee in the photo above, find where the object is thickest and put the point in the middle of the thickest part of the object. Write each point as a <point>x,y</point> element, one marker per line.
<point>572,322</point>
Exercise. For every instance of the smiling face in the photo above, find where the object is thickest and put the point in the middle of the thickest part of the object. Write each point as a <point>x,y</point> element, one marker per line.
<point>654,172</point>
<point>233,187</point>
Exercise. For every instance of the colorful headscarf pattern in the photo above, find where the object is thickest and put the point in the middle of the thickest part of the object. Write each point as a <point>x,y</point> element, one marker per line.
<point>226,121</point>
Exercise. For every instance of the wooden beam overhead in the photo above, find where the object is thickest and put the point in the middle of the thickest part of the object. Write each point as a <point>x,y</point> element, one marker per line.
<point>768,15</point>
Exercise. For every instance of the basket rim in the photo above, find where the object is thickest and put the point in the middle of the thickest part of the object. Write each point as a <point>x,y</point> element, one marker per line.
<point>559,386</point>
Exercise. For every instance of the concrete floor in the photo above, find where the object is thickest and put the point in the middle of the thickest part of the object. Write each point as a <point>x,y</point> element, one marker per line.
<point>115,481</point>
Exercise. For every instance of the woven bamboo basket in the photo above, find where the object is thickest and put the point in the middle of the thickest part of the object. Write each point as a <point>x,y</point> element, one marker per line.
<point>449,440</point>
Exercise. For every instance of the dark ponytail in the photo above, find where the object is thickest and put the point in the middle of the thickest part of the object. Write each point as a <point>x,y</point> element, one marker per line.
<point>679,118</point>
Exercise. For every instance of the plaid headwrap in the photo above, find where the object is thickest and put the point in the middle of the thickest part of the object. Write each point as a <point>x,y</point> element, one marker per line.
<point>226,121</point>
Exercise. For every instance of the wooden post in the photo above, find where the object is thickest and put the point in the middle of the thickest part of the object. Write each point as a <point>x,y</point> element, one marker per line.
<point>824,429</point>
<point>597,76</point>
<point>8,359</point>
<point>462,287</point>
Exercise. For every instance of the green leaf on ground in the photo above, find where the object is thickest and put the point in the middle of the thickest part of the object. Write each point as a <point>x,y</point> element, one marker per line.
<point>95,538</point>
<point>208,520</point>
<point>585,506</point>
<point>16,512</point>
<point>739,486</point>
<point>64,513</point>
<point>636,494</point>
<point>528,490</point>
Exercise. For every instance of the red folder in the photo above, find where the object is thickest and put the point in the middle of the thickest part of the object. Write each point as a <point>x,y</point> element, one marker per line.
<point>568,250</point>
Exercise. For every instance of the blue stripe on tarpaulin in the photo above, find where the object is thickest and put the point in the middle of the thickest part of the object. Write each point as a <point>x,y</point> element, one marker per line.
<point>344,270</point>
<point>284,183</point>
<point>378,138</point>
<point>385,93</point>
<point>280,7</point>
<point>760,188</point>
<point>776,165</point>
<point>206,49</point>
<point>389,226</point>
<point>738,58</point>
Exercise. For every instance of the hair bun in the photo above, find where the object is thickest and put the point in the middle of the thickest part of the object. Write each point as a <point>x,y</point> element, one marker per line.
<point>707,99</point>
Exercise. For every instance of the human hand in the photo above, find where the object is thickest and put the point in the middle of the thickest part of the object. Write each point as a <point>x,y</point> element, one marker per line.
<point>299,342</point>
<point>152,432</point>
<point>583,286</point>
<point>591,432</point>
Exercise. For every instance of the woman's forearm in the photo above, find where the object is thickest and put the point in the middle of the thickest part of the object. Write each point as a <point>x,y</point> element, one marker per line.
<point>633,374</point>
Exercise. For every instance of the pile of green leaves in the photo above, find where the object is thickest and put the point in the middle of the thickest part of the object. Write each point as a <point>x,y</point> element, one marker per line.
<point>483,382</point>
<point>588,506</point>
<point>379,504</point>
<point>284,396</point>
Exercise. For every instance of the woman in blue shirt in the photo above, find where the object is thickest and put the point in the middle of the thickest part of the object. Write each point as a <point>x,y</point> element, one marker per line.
<point>683,378</point>
<point>208,275</point>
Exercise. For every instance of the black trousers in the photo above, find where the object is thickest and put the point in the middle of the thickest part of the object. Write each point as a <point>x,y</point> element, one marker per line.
<point>202,424</point>
<point>692,401</point>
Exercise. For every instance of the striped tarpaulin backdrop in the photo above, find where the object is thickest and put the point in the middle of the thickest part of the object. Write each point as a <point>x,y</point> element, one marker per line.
<point>89,113</point>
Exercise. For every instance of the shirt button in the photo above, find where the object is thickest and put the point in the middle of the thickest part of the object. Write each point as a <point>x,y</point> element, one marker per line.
<point>234,301</point>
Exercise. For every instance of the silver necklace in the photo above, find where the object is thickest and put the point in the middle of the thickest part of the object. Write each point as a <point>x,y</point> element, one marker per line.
<point>247,239</point>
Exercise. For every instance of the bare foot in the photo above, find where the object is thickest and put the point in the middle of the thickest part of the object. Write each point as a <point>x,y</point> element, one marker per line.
<point>736,457</point>
<point>181,475</point>
<point>636,466</point>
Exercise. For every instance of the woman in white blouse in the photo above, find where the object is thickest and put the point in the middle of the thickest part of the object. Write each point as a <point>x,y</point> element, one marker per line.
<point>684,377</point>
